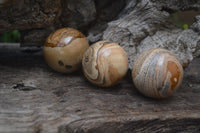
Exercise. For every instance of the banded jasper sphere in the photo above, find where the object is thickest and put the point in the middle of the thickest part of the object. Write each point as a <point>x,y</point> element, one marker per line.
<point>105,63</point>
<point>157,73</point>
<point>64,49</point>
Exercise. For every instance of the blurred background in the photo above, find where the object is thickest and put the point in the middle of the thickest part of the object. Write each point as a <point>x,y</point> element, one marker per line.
<point>10,37</point>
<point>181,19</point>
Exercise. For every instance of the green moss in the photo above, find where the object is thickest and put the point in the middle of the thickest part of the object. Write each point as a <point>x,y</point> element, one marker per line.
<point>10,37</point>
<point>184,19</point>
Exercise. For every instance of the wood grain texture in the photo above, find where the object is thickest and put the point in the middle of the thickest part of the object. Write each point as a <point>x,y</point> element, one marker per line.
<point>35,99</point>
<point>143,25</point>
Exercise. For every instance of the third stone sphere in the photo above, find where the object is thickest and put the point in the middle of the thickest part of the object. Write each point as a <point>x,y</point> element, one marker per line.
<point>105,63</point>
<point>157,73</point>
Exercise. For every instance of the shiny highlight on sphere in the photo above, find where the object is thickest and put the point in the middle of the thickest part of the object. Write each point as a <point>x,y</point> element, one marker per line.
<point>157,73</point>
<point>105,63</point>
<point>64,49</point>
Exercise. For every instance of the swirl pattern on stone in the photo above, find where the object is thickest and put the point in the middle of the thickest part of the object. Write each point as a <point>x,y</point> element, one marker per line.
<point>63,37</point>
<point>105,63</point>
<point>157,73</point>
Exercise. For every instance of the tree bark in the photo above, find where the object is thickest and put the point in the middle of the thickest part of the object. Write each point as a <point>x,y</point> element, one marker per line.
<point>148,26</point>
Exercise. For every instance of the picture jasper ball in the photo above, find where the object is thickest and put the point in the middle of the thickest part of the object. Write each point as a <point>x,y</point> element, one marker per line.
<point>64,49</point>
<point>105,63</point>
<point>157,73</point>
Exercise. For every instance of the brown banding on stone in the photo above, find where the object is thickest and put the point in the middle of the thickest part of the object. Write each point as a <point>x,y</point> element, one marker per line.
<point>63,37</point>
<point>64,49</point>
<point>105,63</point>
<point>175,72</point>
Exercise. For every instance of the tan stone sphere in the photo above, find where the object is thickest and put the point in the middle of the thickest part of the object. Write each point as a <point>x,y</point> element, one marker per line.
<point>105,63</point>
<point>64,49</point>
<point>157,73</point>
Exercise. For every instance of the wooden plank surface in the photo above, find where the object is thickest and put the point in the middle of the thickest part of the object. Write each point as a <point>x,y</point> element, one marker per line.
<point>36,99</point>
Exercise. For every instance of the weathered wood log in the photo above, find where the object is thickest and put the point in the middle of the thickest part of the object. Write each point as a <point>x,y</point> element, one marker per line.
<point>36,99</point>
<point>135,25</point>
<point>148,26</point>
